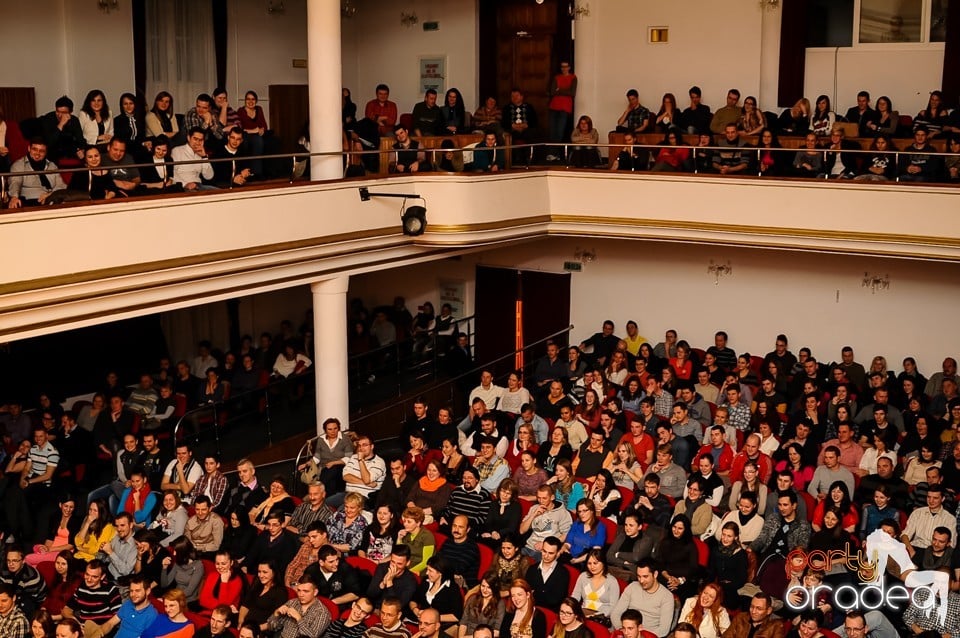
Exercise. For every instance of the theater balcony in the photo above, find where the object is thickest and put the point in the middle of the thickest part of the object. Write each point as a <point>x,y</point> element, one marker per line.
<point>80,265</point>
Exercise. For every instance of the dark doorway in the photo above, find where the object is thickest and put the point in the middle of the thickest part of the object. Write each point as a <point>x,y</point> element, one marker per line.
<point>521,45</point>
<point>546,310</point>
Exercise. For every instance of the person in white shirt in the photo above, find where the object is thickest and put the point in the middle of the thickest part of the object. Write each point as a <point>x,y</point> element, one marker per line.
<point>190,175</point>
<point>290,362</point>
<point>488,391</point>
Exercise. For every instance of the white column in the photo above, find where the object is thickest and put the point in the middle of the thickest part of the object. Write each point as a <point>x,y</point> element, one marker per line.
<point>323,75</point>
<point>330,349</point>
<point>587,67</point>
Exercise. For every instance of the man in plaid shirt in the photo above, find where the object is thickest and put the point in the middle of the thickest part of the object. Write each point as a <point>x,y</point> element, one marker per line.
<point>213,483</point>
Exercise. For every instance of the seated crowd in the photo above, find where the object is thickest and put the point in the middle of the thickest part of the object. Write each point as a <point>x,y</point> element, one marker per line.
<point>110,146</point>
<point>629,489</point>
<point>825,150</point>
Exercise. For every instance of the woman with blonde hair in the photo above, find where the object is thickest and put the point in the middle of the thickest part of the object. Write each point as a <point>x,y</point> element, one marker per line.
<point>347,527</point>
<point>796,119</point>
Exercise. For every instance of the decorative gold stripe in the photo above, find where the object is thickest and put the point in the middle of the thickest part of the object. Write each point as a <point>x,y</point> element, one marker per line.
<point>780,231</point>
<point>240,290</point>
<point>195,260</point>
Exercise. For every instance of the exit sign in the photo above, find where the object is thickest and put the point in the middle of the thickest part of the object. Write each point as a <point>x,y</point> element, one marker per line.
<point>572,266</point>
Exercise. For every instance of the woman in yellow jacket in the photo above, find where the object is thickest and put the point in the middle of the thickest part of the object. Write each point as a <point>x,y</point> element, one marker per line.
<point>96,531</point>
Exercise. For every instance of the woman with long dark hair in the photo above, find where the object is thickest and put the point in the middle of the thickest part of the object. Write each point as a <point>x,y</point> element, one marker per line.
<point>62,527</point>
<point>453,113</point>
<point>769,156</point>
<point>509,564</point>
<point>438,590</point>
<point>838,501</point>
<point>129,125</point>
<point>822,118</point>
<point>677,556</point>
<point>596,588</point>
<point>379,536</point>
<point>483,606</point>
<point>162,119</point>
<point>95,530</point>
<point>264,596</point>
<point>728,563</point>
<point>182,570</point>
<point>66,580</point>
<point>95,120</point>
<point>571,620</point>
<point>239,534</point>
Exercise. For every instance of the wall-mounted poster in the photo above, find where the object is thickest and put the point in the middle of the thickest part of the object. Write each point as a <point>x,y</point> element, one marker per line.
<point>433,71</point>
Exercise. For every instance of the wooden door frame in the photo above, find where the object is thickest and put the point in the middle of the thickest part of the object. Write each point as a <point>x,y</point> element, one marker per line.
<point>563,45</point>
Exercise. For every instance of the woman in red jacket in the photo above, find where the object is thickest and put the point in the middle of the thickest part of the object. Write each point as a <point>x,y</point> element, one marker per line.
<point>224,586</point>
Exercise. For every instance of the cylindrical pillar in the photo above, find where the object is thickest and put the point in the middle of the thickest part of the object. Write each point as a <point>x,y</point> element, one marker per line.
<point>330,349</point>
<point>586,65</point>
<point>323,75</point>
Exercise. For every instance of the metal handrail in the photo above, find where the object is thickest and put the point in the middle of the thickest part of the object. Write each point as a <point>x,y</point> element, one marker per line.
<point>300,453</point>
<point>297,156</point>
<point>220,405</point>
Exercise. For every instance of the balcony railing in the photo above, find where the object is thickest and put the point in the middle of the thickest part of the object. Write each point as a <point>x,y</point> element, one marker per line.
<point>516,157</point>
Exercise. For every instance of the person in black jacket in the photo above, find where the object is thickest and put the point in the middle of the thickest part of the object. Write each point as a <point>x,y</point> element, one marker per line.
<point>842,164</point>
<point>548,578</point>
<point>728,564</point>
<point>62,132</point>
<point>336,579</point>
<point>129,125</point>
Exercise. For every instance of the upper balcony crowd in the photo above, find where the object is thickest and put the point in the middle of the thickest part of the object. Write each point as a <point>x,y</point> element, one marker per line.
<point>804,141</point>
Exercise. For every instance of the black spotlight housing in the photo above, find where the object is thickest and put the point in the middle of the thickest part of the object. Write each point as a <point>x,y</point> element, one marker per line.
<point>414,220</point>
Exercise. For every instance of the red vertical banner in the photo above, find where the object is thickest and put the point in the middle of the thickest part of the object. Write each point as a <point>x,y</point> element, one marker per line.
<point>518,356</point>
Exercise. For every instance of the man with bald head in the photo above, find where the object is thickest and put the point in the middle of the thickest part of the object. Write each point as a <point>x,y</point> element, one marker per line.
<point>429,624</point>
<point>751,452</point>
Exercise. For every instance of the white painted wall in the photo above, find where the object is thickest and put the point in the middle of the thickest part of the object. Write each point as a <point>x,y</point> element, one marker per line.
<point>261,48</point>
<point>735,39</point>
<point>385,51</point>
<point>906,75</point>
<point>61,47</point>
<point>715,45</point>
<point>815,299</point>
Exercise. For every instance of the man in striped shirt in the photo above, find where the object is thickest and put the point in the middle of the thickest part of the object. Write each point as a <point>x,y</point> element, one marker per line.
<point>468,499</point>
<point>35,499</point>
<point>95,603</point>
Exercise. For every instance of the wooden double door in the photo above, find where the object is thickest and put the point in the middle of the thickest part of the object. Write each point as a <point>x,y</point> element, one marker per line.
<point>521,45</point>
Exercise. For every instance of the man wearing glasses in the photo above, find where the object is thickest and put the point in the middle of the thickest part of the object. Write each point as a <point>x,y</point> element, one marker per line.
<point>429,624</point>
<point>354,625</point>
<point>873,624</point>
